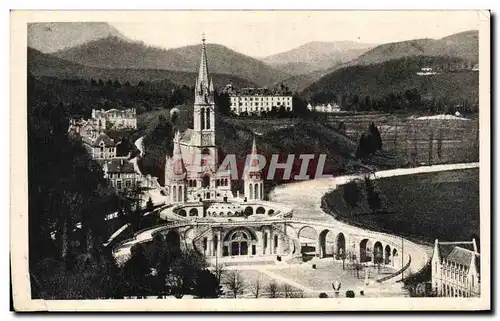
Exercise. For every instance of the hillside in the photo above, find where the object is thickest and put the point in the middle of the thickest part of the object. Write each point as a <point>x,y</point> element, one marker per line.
<point>53,36</point>
<point>45,65</point>
<point>114,52</point>
<point>316,55</point>
<point>298,83</point>
<point>397,76</point>
<point>462,45</point>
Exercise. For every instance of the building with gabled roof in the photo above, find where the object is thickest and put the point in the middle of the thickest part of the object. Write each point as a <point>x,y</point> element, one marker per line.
<point>121,174</point>
<point>456,269</point>
<point>99,145</point>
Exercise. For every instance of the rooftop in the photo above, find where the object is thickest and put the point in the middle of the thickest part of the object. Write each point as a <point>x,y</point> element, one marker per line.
<point>120,166</point>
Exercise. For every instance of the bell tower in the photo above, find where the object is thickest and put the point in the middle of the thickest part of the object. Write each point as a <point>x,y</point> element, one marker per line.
<point>204,105</point>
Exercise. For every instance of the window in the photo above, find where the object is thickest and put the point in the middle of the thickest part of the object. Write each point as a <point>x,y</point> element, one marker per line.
<point>119,184</point>
<point>128,183</point>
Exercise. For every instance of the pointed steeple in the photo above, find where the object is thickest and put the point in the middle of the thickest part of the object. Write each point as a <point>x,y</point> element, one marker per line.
<point>211,87</point>
<point>203,72</point>
<point>178,167</point>
<point>253,169</point>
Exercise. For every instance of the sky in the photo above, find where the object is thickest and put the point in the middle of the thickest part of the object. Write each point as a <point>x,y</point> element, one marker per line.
<point>263,33</point>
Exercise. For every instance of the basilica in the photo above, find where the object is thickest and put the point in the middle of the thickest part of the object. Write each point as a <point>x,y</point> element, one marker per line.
<point>193,173</point>
<point>213,220</point>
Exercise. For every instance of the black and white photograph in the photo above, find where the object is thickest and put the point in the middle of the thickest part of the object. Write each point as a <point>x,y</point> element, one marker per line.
<point>213,160</point>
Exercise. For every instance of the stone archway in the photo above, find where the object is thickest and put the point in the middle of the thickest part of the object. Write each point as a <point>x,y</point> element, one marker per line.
<point>308,238</point>
<point>182,212</point>
<point>340,246</point>
<point>387,258</point>
<point>365,251</point>
<point>326,243</point>
<point>248,211</point>
<point>193,212</point>
<point>378,253</point>
<point>260,210</point>
<point>239,242</point>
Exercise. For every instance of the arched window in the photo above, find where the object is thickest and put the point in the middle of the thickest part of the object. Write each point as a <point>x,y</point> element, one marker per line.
<point>202,118</point>
<point>206,181</point>
<point>239,243</point>
<point>256,191</point>
<point>180,194</point>
<point>207,119</point>
<point>250,191</point>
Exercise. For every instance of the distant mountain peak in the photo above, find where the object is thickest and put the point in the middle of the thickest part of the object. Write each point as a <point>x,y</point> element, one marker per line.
<point>49,37</point>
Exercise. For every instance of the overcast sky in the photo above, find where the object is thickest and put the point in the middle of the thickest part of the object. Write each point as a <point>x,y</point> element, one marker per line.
<point>262,33</point>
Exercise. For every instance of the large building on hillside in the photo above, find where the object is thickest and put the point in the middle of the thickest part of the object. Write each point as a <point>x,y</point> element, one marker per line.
<point>99,145</point>
<point>119,119</point>
<point>456,269</point>
<point>258,100</point>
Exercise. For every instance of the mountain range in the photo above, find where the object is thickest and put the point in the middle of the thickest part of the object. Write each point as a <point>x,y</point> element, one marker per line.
<point>115,52</point>
<point>46,65</point>
<point>98,50</point>
<point>464,45</point>
<point>314,56</point>
<point>49,37</point>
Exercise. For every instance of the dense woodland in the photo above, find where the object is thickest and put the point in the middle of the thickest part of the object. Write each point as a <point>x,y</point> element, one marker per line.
<point>67,187</point>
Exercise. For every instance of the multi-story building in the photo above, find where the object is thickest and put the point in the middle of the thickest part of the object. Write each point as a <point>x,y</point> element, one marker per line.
<point>99,145</point>
<point>258,100</point>
<point>121,174</point>
<point>120,119</point>
<point>456,269</point>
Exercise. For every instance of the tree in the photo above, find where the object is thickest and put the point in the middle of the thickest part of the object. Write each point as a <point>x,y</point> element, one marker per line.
<point>220,271</point>
<point>207,285</point>
<point>372,196</point>
<point>273,290</point>
<point>351,195</point>
<point>235,283</point>
<point>256,287</point>
<point>223,103</point>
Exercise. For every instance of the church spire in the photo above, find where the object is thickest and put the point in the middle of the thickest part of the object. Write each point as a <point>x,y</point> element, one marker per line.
<point>178,167</point>
<point>202,81</point>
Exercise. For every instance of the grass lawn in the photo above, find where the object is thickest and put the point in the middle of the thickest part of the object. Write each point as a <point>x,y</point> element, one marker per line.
<point>442,205</point>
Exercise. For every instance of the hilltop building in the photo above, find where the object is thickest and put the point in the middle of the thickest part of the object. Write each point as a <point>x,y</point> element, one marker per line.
<point>456,269</point>
<point>259,100</point>
<point>119,119</point>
